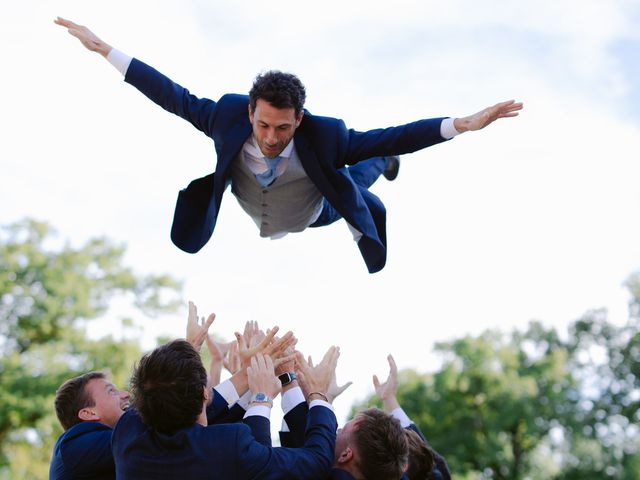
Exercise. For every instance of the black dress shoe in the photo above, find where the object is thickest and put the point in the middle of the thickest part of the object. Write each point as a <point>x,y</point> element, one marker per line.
<point>390,171</point>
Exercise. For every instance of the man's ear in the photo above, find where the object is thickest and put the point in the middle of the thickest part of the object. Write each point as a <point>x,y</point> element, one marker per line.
<point>250,114</point>
<point>87,415</point>
<point>345,456</point>
<point>206,393</point>
<point>299,118</point>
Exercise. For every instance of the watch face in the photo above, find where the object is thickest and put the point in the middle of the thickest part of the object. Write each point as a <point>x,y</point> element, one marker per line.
<point>261,397</point>
<point>287,378</point>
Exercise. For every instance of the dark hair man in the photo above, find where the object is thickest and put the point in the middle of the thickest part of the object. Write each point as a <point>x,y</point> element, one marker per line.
<point>371,446</point>
<point>419,458</point>
<point>165,434</point>
<point>287,167</point>
<point>88,408</point>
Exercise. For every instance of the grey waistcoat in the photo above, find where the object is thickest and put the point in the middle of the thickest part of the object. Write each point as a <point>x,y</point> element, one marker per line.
<point>290,204</point>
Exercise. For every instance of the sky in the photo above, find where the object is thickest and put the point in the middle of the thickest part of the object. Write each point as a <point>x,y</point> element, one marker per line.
<point>532,218</point>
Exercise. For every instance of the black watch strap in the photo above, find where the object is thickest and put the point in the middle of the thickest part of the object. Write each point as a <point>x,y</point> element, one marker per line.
<point>286,378</point>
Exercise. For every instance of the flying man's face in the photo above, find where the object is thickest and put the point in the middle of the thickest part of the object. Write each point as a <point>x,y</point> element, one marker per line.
<point>273,128</point>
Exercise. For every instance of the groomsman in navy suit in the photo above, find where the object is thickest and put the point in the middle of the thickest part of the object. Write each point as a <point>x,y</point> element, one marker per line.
<point>88,407</point>
<point>289,169</point>
<point>165,433</point>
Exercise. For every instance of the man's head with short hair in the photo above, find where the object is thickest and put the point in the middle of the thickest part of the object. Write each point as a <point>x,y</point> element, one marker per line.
<point>421,459</point>
<point>281,90</point>
<point>276,103</point>
<point>168,387</point>
<point>372,446</point>
<point>89,397</point>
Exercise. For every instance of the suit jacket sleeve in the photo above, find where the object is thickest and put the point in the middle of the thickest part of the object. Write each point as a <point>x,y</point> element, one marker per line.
<point>260,428</point>
<point>392,140</point>
<point>200,112</point>
<point>312,461</point>
<point>296,420</point>
<point>217,409</point>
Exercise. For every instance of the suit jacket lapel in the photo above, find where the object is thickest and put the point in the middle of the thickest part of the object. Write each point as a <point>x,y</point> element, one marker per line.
<point>234,140</point>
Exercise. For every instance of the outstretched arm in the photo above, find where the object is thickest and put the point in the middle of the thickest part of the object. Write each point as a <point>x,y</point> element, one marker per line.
<point>86,36</point>
<point>484,117</point>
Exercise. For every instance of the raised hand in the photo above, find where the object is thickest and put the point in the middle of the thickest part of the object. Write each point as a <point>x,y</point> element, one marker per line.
<point>86,36</point>
<point>261,375</point>
<point>488,115</point>
<point>197,329</point>
<point>387,391</point>
<point>315,381</point>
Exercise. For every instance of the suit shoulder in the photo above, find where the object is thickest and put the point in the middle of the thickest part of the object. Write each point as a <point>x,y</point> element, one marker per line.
<point>234,99</point>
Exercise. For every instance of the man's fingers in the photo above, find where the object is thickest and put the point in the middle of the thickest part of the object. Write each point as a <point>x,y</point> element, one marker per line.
<point>279,361</point>
<point>65,23</point>
<point>392,365</point>
<point>344,387</point>
<point>376,382</point>
<point>209,321</point>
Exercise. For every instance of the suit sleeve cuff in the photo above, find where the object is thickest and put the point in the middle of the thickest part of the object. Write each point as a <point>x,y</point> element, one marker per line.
<point>227,391</point>
<point>320,403</point>
<point>258,410</point>
<point>400,414</point>
<point>119,60</point>
<point>447,130</point>
<point>291,398</point>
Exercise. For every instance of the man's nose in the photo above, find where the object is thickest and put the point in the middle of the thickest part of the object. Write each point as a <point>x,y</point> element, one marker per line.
<point>124,395</point>
<point>271,139</point>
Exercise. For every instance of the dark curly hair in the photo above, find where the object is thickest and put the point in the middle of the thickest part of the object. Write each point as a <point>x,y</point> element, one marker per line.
<point>280,89</point>
<point>168,387</point>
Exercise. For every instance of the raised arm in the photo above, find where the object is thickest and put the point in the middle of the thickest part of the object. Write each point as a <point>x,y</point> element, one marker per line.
<point>172,97</point>
<point>86,36</point>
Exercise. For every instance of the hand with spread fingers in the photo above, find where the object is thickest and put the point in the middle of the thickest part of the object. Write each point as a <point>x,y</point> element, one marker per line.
<point>315,380</point>
<point>387,391</point>
<point>197,328</point>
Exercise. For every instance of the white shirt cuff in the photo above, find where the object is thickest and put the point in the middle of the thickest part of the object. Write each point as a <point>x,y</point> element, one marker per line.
<point>228,392</point>
<point>119,60</point>
<point>400,414</point>
<point>244,400</point>
<point>447,130</point>
<point>258,411</point>
<point>320,403</point>
<point>284,427</point>
<point>291,398</point>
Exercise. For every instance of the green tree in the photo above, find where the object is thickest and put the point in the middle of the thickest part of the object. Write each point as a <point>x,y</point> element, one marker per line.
<point>49,293</point>
<point>534,405</point>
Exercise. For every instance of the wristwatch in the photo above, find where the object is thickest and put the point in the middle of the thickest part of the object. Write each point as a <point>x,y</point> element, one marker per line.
<point>286,378</point>
<point>261,398</point>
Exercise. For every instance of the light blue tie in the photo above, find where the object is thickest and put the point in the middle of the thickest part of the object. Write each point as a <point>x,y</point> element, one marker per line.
<point>267,177</point>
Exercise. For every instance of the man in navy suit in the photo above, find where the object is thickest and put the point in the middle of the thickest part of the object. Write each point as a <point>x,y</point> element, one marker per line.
<point>88,407</point>
<point>287,167</point>
<point>423,461</point>
<point>165,433</point>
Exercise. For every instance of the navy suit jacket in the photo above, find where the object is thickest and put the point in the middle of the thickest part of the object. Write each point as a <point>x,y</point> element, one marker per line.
<point>220,451</point>
<point>83,452</point>
<point>325,146</point>
<point>296,419</point>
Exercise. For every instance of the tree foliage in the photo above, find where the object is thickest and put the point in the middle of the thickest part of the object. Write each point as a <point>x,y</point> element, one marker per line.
<point>49,293</point>
<point>534,405</point>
